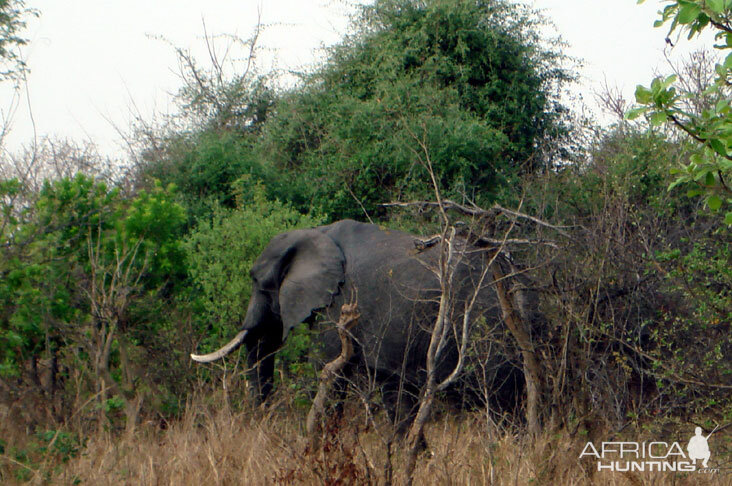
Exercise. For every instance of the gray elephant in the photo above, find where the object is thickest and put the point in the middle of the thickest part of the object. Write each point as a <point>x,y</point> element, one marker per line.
<point>302,272</point>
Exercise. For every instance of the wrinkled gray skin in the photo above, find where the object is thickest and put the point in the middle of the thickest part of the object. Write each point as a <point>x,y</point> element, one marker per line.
<point>304,271</point>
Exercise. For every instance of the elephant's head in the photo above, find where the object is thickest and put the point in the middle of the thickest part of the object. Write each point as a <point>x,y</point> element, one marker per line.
<point>299,272</point>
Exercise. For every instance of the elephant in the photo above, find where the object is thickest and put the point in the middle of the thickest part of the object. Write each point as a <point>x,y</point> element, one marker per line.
<point>309,272</point>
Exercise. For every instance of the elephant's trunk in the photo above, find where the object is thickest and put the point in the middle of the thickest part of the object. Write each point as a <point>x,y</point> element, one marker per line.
<point>226,349</point>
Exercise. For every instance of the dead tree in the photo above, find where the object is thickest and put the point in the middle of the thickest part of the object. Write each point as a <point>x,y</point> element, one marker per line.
<point>451,253</point>
<point>348,318</point>
<point>530,363</point>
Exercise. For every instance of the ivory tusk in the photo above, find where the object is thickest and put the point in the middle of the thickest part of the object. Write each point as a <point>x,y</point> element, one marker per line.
<point>226,349</point>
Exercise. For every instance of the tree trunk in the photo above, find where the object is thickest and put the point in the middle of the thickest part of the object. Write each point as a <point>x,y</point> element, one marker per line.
<point>348,318</point>
<point>532,371</point>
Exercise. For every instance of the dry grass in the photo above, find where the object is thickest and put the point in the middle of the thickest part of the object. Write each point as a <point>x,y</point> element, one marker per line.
<point>214,445</point>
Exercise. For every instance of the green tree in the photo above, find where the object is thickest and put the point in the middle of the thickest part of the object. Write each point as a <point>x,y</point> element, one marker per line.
<point>221,252</point>
<point>42,246</point>
<point>204,166</point>
<point>710,166</point>
<point>207,146</point>
<point>467,83</point>
<point>77,266</point>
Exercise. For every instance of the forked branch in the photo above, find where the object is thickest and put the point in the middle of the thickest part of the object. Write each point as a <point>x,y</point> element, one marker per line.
<point>348,318</point>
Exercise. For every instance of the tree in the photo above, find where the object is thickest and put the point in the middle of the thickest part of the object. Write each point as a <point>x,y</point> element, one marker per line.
<point>77,266</point>
<point>12,21</point>
<point>207,146</point>
<point>470,78</point>
<point>710,166</point>
<point>220,253</point>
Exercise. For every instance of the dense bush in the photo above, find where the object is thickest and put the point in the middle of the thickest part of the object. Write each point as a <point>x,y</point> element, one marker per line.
<point>82,267</point>
<point>467,85</point>
<point>639,299</point>
<point>220,254</point>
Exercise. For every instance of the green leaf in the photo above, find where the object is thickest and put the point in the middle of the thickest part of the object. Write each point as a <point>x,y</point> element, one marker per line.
<point>675,183</point>
<point>655,85</point>
<point>716,6</point>
<point>728,61</point>
<point>658,119</point>
<point>718,146</point>
<point>714,202</point>
<point>702,22</point>
<point>728,218</point>
<point>669,81</point>
<point>635,113</point>
<point>709,179</point>
<point>693,192</point>
<point>643,95</point>
<point>688,13</point>
<point>697,159</point>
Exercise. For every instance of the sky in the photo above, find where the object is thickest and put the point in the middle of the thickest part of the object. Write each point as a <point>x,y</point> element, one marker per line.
<point>97,63</point>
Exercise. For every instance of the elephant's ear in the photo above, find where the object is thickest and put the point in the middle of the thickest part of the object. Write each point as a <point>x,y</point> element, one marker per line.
<point>311,279</point>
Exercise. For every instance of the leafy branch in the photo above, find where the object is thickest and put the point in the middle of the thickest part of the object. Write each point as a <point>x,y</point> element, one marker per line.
<point>710,166</point>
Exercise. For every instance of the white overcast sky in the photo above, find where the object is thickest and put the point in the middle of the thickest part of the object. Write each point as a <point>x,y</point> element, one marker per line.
<point>91,59</point>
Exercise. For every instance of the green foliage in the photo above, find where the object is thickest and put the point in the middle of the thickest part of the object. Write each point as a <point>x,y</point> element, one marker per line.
<point>630,167</point>
<point>13,14</point>
<point>35,295</point>
<point>694,335</point>
<point>710,167</point>
<point>464,84</point>
<point>296,359</point>
<point>78,244</point>
<point>113,405</point>
<point>220,254</point>
<point>45,454</point>
<point>203,167</point>
<point>211,142</point>
<point>59,444</point>
<point>155,220</point>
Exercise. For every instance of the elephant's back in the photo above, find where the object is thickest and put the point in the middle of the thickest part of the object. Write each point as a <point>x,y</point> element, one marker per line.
<point>382,261</point>
<point>396,292</point>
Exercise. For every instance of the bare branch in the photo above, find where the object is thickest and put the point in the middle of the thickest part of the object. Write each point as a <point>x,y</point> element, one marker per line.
<point>348,318</point>
<point>476,211</point>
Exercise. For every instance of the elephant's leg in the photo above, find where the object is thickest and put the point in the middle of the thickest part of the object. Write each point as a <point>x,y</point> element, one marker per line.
<point>260,358</point>
<point>340,387</point>
<point>401,400</point>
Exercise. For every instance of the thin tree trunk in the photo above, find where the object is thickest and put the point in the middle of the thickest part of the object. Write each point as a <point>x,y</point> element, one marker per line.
<point>132,410</point>
<point>532,372</point>
<point>348,318</point>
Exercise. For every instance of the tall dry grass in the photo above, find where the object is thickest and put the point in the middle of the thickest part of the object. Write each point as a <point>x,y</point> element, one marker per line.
<point>215,444</point>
